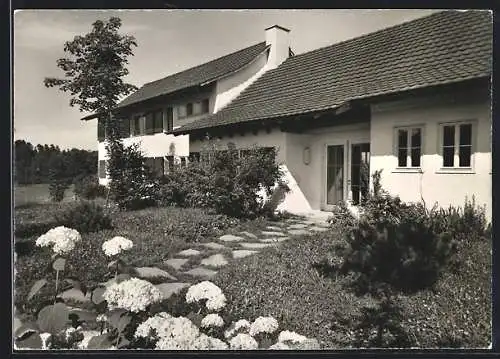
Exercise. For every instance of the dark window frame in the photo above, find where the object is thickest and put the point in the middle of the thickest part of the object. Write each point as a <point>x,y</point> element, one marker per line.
<point>405,152</point>
<point>459,152</point>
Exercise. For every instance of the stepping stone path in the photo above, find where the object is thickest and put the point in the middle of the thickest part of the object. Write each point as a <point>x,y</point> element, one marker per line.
<point>273,233</point>
<point>228,248</point>
<point>231,238</point>
<point>216,260</point>
<point>75,295</point>
<point>243,253</point>
<point>176,263</point>
<point>255,245</point>
<point>249,235</point>
<point>189,252</point>
<point>168,289</point>
<point>153,272</point>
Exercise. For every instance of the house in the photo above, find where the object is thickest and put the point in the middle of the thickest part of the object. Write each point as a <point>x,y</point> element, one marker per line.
<point>412,100</point>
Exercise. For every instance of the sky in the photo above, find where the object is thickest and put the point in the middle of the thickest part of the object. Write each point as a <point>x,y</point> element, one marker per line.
<point>169,41</point>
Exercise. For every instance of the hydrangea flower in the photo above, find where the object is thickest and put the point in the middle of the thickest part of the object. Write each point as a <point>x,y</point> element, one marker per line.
<point>216,300</point>
<point>62,239</point>
<point>212,320</point>
<point>116,245</point>
<point>239,325</point>
<point>177,333</point>
<point>263,325</point>
<point>279,346</point>
<point>101,318</point>
<point>292,337</point>
<point>45,340</point>
<point>133,295</point>
<point>243,341</point>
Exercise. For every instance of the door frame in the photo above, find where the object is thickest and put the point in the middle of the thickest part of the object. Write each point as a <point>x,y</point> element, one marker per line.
<point>347,142</point>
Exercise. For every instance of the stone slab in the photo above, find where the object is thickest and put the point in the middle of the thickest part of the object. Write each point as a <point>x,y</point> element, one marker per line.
<point>318,229</point>
<point>297,226</point>
<point>213,245</point>
<point>189,252</point>
<point>249,235</point>
<point>242,253</point>
<point>255,245</point>
<point>176,263</point>
<point>273,228</point>
<point>216,260</point>
<point>153,272</point>
<point>274,240</point>
<point>298,232</point>
<point>273,234</point>
<point>231,238</point>
<point>168,289</point>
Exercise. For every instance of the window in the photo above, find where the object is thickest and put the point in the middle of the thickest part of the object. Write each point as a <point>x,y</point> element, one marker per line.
<point>135,126</point>
<point>169,119</point>
<point>102,169</point>
<point>409,146</point>
<point>197,108</point>
<point>183,161</point>
<point>182,111</point>
<point>149,128</point>
<point>205,106</point>
<point>158,121</point>
<point>456,147</point>
<point>189,109</point>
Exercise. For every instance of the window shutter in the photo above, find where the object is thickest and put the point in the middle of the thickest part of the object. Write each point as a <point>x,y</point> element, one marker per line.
<point>170,119</point>
<point>100,130</point>
<point>149,123</point>
<point>205,106</point>
<point>158,121</point>
<point>102,169</point>
<point>125,127</point>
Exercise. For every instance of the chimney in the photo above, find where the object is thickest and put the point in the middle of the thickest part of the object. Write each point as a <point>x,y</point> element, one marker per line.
<point>279,39</point>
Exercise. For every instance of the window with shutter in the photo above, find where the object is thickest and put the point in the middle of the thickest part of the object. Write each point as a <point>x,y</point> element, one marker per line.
<point>136,126</point>
<point>150,123</point>
<point>102,169</point>
<point>158,121</point>
<point>189,109</point>
<point>169,118</point>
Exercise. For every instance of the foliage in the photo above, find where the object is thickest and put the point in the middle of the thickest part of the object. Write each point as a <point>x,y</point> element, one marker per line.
<point>225,182</point>
<point>57,181</point>
<point>85,217</point>
<point>32,163</point>
<point>88,187</point>
<point>94,71</point>
<point>395,244</point>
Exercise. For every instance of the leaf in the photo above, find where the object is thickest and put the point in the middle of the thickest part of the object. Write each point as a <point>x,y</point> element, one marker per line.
<point>24,329</point>
<point>59,264</point>
<point>114,317</point>
<point>123,322</point>
<point>84,315</point>
<point>97,295</point>
<point>123,343</point>
<point>36,288</point>
<point>53,318</point>
<point>99,342</point>
<point>33,341</point>
<point>75,284</point>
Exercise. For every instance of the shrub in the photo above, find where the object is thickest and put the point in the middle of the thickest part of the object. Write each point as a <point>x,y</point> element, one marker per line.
<point>33,229</point>
<point>88,187</point>
<point>395,243</point>
<point>85,217</point>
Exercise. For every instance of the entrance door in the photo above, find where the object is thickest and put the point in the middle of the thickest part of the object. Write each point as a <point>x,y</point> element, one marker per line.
<point>334,174</point>
<point>360,172</point>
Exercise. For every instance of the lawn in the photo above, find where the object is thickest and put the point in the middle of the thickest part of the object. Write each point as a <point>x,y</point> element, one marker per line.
<point>36,193</point>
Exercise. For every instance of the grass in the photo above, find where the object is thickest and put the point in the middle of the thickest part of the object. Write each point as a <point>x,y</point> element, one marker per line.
<point>36,193</point>
<point>283,282</point>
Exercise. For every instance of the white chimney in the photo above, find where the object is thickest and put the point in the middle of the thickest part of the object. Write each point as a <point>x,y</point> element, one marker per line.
<point>279,39</point>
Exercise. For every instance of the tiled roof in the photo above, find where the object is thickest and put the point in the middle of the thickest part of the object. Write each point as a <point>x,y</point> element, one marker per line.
<point>198,75</point>
<point>441,48</point>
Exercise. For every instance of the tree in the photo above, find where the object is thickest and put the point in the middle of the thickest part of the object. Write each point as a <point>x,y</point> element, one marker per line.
<point>94,72</point>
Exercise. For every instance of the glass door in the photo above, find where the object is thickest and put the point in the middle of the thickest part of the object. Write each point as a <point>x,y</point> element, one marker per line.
<point>334,174</point>
<point>360,172</point>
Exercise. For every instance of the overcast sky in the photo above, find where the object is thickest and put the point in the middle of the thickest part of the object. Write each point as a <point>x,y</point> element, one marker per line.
<point>168,41</point>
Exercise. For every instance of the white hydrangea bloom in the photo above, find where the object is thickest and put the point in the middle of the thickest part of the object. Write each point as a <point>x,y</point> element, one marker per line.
<point>279,346</point>
<point>133,295</point>
<point>69,331</point>
<point>204,342</point>
<point>45,340</point>
<point>263,325</point>
<point>243,341</point>
<point>87,335</point>
<point>116,245</point>
<point>212,320</point>
<point>101,318</point>
<point>62,239</point>
<point>152,323</point>
<point>216,300</point>
<point>241,324</point>
<point>292,337</point>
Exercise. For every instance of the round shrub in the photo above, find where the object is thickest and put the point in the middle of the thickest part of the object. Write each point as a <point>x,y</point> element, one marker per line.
<point>88,187</point>
<point>85,217</point>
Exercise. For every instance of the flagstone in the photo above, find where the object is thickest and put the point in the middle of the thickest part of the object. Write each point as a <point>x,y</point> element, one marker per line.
<point>273,233</point>
<point>168,289</point>
<point>153,272</point>
<point>255,245</point>
<point>319,229</point>
<point>231,238</point>
<point>189,252</point>
<point>176,263</point>
<point>274,240</point>
<point>242,253</point>
<point>273,228</point>
<point>298,232</point>
<point>249,235</point>
<point>216,260</point>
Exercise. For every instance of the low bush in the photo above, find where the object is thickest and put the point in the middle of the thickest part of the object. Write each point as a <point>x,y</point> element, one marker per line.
<point>88,187</point>
<point>85,217</point>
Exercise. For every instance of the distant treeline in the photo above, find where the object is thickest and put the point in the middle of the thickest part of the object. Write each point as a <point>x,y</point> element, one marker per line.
<point>32,164</point>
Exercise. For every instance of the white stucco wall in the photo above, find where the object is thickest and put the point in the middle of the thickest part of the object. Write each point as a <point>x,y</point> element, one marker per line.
<point>229,87</point>
<point>434,184</point>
